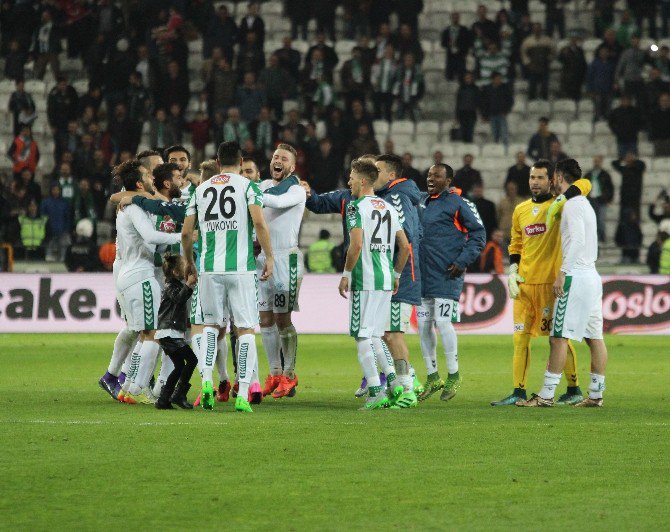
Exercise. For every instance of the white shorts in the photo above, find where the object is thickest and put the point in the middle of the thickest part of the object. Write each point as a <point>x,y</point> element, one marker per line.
<point>229,295</point>
<point>438,309</point>
<point>369,312</point>
<point>139,304</point>
<point>399,316</point>
<point>279,294</point>
<point>579,313</point>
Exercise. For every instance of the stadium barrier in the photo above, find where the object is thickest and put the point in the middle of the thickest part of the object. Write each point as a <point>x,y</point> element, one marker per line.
<point>71,303</point>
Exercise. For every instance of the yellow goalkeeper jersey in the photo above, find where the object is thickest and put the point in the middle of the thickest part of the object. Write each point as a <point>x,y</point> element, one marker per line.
<point>539,247</point>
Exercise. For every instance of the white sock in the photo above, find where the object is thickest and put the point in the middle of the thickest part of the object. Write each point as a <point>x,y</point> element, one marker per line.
<point>597,386</point>
<point>208,351</point>
<point>133,366</point>
<point>270,336</point>
<point>450,344</point>
<point>428,340</point>
<point>383,358</point>
<point>551,380</point>
<point>166,368</point>
<point>366,359</point>
<point>123,345</point>
<point>289,345</point>
<point>222,359</point>
<point>148,355</point>
<point>195,345</point>
<point>246,362</point>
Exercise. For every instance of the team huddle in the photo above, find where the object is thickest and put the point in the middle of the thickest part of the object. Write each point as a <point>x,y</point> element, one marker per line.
<point>197,256</point>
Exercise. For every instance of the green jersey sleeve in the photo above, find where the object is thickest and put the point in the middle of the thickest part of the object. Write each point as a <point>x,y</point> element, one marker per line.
<point>353,216</point>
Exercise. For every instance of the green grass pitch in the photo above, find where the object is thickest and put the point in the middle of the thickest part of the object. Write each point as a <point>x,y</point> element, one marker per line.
<point>74,459</point>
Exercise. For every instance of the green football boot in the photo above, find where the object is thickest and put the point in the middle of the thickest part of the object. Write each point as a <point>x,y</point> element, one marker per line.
<point>376,401</point>
<point>418,387</point>
<point>405,400</point>
<point>207,397</point>
<point>242,405</point>
<point>510,400</point>
<point>393,393</point>
<point>433,384</point>
<point>571,397</point>
<point>451,386</point>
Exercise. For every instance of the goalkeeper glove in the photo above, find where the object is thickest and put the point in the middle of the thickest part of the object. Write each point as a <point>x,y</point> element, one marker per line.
<point>513,280</point>
<point>554,210</point>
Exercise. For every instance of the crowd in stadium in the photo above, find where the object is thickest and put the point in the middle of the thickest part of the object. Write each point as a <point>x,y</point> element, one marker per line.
<point>140,92</point>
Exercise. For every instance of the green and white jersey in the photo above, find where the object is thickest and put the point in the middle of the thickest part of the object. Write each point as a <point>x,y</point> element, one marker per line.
<point>226,230</point>
<point>379,221</point>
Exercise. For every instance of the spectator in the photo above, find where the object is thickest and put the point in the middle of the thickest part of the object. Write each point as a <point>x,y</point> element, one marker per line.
<point>600,82</point>
<point>486,208</point>
<point>654,87</point>
<point>15,61</point>
<point>66,182</point>
<point>613,47</point>
<point>139,105</point>
<point>484,25</point>
<point>496,103</point>
<point>662,62</point>
<point>626,29</point>
<point>556,152</point>
<point>46,46</point>
<point>363,143</point>
<point>573,71</point>
<point>327,55</point>
<point>382,76</point>
<point>33,231</point>
<point>467,103</point>
<point>252,22</point>
<point>603,11</point>
<point>33,190</point>
<point>409,172</point>
<point>491,259</point>
<point>122,130</point>
<point>537,51</point>
<point>625,122</point>
<point>632,172</point>
<point>326,169</point>
<point>289,58</point>
<point>264,131</point>
<point>654,252</point>
<point>68,140</point>
<point>467,177</point>
<point>120,64</point>
<point>235,128</point>
<point>519,174</point>
<point>491,61</point>
<point>24,152</point>
<point>406,42</point>
<point>505,209</point>
<point>629,237</point>
<point>250,56</point>
<point>83,162</point>
<point>83,203</point>
<point>457,40</point>
<point>313,75</point>
<point>659,126</point>
<point>324,13</point>
<point>555,17</point>
<point>82,255</point>
<point>355,77</point>
<point>220,86</point>
<point>92,98</point>
<point>21,104</point>
<point>408,13</point>
<point>337,132</point>
<point>602,194</point>
<point>383,39</point>
<point>540,143</point>
<point>277,85</point>
<point>659,211</point>
<point>101,171</point>
<point>174,88</point>
<point>161,132</point>
<point>299,12</point>
<point>57,211</point>
<point>61,105</point>
<point>629,71</point>
<point>249,99</point>
<point>297,129</point>
<point>523,30</point>
<point>199,128</point>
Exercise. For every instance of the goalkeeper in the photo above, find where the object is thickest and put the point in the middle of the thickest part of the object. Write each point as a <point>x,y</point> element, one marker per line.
<point>535,257</point>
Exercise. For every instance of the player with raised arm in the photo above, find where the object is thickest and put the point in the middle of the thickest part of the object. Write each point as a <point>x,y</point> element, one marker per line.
<point>284,205</point>
<point>579,292</point>
<point>136,282</point>
<point>369,273</point>
<point>453,237</point>
<point>535,261</point>
<point>227,209</point>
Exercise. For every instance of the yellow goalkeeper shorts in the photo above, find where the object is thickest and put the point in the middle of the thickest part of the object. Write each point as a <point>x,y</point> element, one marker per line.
<point>533,309</point>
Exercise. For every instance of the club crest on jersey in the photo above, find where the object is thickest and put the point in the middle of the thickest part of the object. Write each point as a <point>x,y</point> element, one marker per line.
<point>167,225</point>
<point>220,179</point>
<point>535,211</point>
<point>378,204</point>
<point>535,229</point>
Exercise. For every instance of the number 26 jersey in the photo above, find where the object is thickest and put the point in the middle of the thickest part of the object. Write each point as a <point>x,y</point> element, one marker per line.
<point>379,222</point>
<point>226,229</point>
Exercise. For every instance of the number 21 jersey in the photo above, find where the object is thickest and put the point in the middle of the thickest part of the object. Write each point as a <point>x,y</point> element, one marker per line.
<point>226,230</point>
<point>379,221</point>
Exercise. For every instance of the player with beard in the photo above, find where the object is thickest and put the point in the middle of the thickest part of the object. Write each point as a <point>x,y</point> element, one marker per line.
<point>284,205</point>
<point>136,282</point>
<point>182,158</point>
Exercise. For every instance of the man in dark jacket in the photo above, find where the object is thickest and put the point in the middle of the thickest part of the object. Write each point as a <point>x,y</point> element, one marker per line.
<point>467,102</point>
<point>61,105</point>
<point>625,122</point>
<point>485,208</point>
<point>466,177</point>
<point>573,72</point>
<point>659,126</point>
<point>457,40</point>
<point>519,173</point>
<point>540,143</point>
<point>602,193</point>
<point>632,171</point>
<point>325,173</point>
<point>496,103</point>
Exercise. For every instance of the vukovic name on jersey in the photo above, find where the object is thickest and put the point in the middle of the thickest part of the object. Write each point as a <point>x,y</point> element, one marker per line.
<point>223,225</point>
